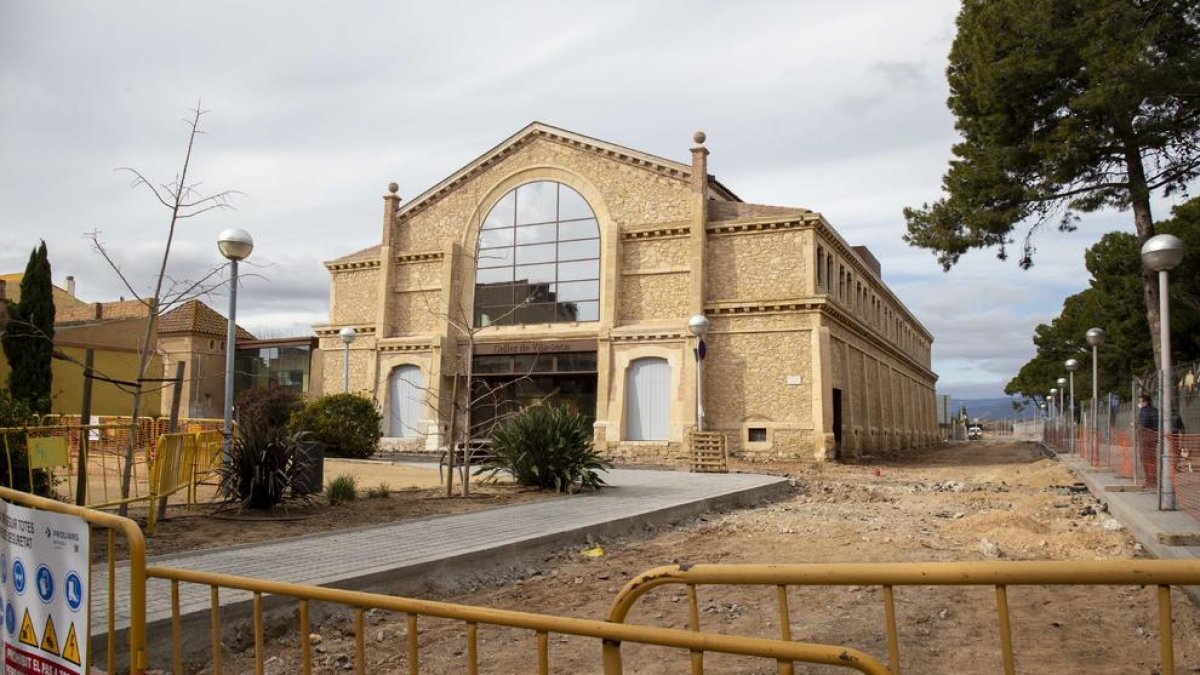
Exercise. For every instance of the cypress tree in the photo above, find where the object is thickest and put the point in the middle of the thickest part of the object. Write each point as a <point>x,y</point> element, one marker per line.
<point>29,335</point>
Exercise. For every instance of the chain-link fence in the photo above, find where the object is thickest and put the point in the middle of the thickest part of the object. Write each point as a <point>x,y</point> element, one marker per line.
<point>1113,433</point>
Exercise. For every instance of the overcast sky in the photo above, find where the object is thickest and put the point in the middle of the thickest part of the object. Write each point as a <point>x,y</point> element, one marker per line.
<point>834,106</point>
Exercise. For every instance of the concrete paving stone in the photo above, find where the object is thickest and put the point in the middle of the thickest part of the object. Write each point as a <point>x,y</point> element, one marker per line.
<point>350,558</point>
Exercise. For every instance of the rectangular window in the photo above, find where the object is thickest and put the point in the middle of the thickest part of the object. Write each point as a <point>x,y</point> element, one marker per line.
<point>756,435</point>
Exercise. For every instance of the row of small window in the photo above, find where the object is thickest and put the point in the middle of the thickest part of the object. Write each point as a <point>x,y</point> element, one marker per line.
<point>522,364</point>
<point>541,202</point>
<point>585,249</point>
<point>539,234</point>
<point>538,312</point>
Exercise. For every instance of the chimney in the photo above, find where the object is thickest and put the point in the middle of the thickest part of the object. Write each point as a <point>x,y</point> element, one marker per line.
<point>71,286</point>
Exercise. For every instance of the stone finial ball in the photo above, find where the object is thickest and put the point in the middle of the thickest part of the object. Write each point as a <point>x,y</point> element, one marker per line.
<point>393,188</point>
<point>699,137</point>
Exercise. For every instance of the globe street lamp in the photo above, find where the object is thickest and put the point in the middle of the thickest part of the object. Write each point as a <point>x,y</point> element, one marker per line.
<point>1072,365</point>
<point>347,334</point>
<point>1161,253</point>
<point>698,325</point>
<point>235,244</point>
<point>1095,338</point>
<point>1062,407</point>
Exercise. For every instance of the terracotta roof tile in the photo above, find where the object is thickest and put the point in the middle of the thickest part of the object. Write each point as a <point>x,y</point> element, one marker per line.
<point>194,316</point>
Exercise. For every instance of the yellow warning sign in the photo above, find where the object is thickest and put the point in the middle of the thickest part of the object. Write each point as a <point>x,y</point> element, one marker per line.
<point>50,637</point>
<point>27,635</point>
<point>70,650</point>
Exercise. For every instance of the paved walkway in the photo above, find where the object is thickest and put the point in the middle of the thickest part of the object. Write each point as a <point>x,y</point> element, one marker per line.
<point>371,558</point>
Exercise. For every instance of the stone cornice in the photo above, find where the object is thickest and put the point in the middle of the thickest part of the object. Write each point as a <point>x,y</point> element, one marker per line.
<point>418,257</point>
<point>734,308</point>
<point>331,331</point>
<point>391,347</point>
<point>352,265</point>
<point>758,225</point>
<point>656,336</point>
<point>658,232</point>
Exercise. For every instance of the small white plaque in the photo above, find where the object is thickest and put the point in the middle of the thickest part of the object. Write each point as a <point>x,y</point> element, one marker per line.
<point>795,379</point>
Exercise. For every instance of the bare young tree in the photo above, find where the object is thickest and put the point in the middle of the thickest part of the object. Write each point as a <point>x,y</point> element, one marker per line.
<point>183,200</point>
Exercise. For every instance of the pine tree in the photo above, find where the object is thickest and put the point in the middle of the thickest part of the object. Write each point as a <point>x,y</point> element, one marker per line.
<point>28,340</point>
<point>1065,106</point>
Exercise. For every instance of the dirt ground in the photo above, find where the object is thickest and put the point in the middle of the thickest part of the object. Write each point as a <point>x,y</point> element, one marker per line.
<point>977,501</point>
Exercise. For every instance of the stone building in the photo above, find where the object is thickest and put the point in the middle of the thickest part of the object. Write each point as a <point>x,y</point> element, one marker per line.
<point>564,267</point>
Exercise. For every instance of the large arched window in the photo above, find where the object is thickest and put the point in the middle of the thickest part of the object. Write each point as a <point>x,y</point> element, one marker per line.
<point>538,258</point>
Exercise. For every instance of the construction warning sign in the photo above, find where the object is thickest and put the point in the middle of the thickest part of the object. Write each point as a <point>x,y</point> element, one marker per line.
<point>43,591</point>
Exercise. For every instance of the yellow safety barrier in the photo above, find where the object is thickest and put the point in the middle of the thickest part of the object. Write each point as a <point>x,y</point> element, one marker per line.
<point>136,544</point>
<point>157,470</point>
<point>612,635</point>
<point>1160,573</point>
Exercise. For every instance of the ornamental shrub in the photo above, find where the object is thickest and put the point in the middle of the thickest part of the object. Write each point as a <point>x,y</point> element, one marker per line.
<point>546,446</point>
<point>272,405</point>
<point>265,467</point>
<point>349,424</point>
<point>13,453</point>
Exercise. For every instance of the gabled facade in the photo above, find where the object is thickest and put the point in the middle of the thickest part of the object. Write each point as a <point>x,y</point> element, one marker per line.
<point>557,266</point>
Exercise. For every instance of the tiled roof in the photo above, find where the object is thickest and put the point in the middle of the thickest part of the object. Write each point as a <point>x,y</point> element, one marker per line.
<point>368,253</point>
<point>194,316</point>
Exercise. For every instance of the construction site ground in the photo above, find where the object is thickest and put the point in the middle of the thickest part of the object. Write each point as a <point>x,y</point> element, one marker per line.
<point>983,500</point>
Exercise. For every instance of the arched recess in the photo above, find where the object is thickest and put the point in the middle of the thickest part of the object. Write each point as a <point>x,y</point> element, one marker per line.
<point>648,399</point>
<point>406,394</point>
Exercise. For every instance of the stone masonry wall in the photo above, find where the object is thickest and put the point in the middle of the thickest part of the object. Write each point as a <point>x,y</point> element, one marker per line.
<point>355,296</point>
<point>758,266</point>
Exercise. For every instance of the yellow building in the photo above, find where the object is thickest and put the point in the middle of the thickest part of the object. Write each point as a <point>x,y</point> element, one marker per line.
<point>558,266</point>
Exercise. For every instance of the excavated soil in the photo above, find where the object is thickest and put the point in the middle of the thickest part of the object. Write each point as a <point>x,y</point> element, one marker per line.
<point>963,502</point>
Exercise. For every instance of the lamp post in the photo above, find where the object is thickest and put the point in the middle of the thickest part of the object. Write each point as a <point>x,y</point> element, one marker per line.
<point>1161,253</point>
<point>698,325</point>
<point>347,334</point>
<point>1054,412</point>
<point>235,244</point>
<point>1071,365</point>
<point>1095,338</point>
<point>1062,408</point>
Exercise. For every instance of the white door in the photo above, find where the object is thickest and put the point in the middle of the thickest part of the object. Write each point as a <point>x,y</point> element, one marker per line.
<point>406,388</point>
<point>648,399</point>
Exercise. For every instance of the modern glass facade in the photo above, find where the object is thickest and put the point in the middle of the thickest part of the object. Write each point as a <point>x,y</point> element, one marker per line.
<point>266,363</point>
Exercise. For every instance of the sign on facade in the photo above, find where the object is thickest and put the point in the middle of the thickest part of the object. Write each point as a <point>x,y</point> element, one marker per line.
<point>43,591</point>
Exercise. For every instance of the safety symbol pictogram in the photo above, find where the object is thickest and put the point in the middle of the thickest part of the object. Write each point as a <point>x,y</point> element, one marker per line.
<point>70,649</point>
<point>50,637</point>
<point>18,576</point>
<point>27,635</point>
<point>10,619</point>
<point>45,584</point>
<point>73,587</point>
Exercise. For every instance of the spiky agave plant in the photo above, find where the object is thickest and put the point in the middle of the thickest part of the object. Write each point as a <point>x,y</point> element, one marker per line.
<point>263,464</point>
<point>546,446</point>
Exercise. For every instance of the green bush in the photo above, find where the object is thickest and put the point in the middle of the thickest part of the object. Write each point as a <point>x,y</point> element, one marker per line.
<point>348,423</point>
<point>264,466</point>
<point>546,447</point>
<point>272,405</point>
<point>344,488</point>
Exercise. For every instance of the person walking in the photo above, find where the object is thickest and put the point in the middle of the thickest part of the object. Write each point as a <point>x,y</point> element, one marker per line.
<point>1147,422</point>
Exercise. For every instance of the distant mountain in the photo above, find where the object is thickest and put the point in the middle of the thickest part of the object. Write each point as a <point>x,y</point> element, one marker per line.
<point>991,408</point>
